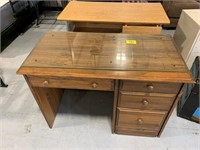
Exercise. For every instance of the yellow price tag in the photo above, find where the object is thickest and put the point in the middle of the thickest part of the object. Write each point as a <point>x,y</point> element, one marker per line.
<point>131,42</point>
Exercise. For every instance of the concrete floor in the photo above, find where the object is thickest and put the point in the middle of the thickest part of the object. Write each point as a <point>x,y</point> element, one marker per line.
<point>83,123</point>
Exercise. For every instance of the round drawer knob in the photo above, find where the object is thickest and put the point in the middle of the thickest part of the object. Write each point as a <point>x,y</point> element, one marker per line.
<point>45,83</point>
<point>145,102</point>
<point>150,87</point>
<point>94,85</point>
<point>140,121</point>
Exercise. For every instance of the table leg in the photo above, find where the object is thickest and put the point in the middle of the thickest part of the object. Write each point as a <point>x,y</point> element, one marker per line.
<point>70,26</point>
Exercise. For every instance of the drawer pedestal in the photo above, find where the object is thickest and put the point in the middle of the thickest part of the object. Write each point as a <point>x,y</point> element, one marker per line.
<point>143,106</point>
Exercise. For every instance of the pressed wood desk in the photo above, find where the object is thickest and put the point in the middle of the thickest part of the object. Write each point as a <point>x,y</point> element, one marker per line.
<point>146,74</point>
<point>112,16</point>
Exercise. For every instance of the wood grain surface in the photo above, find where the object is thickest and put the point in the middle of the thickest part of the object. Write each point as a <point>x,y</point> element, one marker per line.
<point>127,13</point>
<point>72,83</point>
<point>142,29</point>
<point>136,119</point>
<point>145,102</point>
<point>140,69</point>
<point>106,55</point>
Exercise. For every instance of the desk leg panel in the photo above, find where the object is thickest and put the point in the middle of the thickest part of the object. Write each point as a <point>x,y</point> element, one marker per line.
<point>48,100</point>
<point>116,95</point>
<point>172,108</point>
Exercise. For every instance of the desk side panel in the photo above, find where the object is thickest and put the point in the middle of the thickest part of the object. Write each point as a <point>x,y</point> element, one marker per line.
<point>48,100</point>
<point>172,108</point>
<point>116,96</point>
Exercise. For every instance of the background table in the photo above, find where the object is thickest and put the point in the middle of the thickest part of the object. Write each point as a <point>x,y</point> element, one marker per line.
<point>111,16</point>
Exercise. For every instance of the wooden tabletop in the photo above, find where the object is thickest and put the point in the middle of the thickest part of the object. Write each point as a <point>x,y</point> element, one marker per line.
<point>115,12</point>
<point>106,55</point>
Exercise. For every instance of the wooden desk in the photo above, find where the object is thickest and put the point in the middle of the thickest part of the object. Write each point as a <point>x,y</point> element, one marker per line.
<point>111,16</point>
<point>146,75</point>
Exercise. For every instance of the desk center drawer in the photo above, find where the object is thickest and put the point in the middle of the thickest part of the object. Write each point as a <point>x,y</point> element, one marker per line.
<point>72,83</point>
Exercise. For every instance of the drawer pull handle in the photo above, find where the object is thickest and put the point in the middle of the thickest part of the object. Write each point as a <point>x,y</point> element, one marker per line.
<point>94,85</point>
<point>150,87</point>
<point>140,121</point>
<point>145,102</point>
<point>45,83</point>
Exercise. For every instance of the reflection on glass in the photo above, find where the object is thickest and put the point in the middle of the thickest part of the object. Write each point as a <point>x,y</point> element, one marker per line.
<point>121,56</point>
<point>106,51</point>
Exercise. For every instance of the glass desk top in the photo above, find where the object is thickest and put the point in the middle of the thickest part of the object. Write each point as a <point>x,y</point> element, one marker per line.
<point>106,51</point>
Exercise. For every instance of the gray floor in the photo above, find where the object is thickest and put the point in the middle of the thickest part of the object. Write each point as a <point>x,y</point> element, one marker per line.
<point>84,118</point>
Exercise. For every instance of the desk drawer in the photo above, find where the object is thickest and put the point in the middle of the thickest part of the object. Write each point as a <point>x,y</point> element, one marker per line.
<point>153,87</point>
<point>72,83</point>
<point>146,102</point>
<point>137,132</point>
<point>139,120</point>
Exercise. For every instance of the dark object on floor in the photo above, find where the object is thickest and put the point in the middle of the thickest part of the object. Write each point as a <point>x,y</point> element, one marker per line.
<point>3,84</point>
<point>9,35</point>
<point>23,12</point>
<point>188,106</point>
